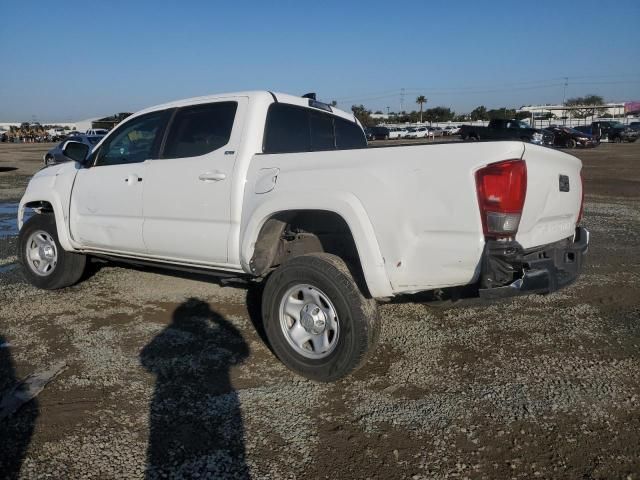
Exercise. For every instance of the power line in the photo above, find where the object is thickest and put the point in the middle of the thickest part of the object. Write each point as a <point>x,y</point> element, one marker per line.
<point>512,86</point>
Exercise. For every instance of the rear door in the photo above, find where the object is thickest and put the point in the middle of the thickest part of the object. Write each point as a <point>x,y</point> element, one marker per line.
<point>106,201</point>
<point>187,194</point>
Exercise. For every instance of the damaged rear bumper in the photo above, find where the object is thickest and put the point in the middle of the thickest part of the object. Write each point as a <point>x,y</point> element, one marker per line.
<point>509,270</point>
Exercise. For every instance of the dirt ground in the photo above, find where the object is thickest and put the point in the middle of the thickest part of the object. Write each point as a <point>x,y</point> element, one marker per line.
<point>167,376</point>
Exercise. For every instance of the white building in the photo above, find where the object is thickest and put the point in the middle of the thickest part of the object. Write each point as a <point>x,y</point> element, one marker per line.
<point>616,110</point>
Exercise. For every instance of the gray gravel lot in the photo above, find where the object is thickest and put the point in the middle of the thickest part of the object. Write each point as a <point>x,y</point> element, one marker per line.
<point>166,375</point>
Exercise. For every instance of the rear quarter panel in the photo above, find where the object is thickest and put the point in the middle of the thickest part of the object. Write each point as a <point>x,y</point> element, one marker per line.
<point>420,203</point>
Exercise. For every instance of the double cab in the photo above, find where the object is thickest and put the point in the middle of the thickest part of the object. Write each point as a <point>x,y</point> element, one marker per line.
<point>282,190</point>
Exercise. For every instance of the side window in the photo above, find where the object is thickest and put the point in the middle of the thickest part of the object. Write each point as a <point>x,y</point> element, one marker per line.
<point>200,129</point>
<point>321,131</point>
<point>287,129</point>
<point>349,135</point>
<point>135,141</point>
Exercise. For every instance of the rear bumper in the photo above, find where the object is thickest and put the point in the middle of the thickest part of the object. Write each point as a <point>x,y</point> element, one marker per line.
<point>509,270</point>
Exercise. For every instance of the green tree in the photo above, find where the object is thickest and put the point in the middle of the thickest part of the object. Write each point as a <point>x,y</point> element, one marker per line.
<point>586,106</point>
<point>363,115</point>
<point>421,100</point>
<point>439,114</point>
<point>479,113</point>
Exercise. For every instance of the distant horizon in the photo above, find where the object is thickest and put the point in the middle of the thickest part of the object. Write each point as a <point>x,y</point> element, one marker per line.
<point>458,56</point>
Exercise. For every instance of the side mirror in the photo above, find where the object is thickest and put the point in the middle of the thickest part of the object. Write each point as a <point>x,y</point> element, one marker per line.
<point>75,151</point>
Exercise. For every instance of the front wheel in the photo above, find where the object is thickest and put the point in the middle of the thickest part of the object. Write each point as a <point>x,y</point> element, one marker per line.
<point>617,140</point>
<point>46,264</point>
<point>571,143</point>
<point>317,321</point>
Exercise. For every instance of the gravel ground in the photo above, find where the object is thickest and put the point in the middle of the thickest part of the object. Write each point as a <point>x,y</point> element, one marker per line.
<point>166,375</point>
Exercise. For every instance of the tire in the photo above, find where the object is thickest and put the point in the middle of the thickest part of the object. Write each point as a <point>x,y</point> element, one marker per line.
<point>49,160</point>
<point>322,286</point>
<point>39,237</point>
<point>571,143</point>
<point>617,140</point>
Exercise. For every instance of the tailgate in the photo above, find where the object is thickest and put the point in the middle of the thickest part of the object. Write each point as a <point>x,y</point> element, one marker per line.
<point>554,194</point>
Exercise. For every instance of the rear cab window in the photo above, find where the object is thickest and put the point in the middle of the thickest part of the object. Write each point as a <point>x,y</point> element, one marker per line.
<point>291,128</point>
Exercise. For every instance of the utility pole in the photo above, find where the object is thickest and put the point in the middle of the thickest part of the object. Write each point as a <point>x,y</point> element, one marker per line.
<point>564,93</point>
<point>387,111</point>
<point>402,100</point>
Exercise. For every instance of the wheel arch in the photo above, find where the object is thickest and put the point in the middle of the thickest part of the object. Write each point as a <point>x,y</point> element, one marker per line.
<point>43,205</point>
<point>266,226</point>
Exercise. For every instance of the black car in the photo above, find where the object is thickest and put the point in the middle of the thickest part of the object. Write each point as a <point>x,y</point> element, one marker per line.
<point>499,129</point>
<point>571,138</point>
<point>377,133</point>
<point>614,132</point>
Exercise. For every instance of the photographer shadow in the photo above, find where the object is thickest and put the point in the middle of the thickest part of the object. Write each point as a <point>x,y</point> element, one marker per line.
<point>17,428</point>
<point>195,420</point>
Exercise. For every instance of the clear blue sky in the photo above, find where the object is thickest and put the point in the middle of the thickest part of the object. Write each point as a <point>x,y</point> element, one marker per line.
<point>70,60</point>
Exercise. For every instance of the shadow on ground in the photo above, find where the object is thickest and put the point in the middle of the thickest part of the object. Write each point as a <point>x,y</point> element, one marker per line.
<point>195,421</point>
<point>17,428</point>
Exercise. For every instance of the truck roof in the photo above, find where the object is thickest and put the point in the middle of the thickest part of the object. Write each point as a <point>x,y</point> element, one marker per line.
<point>266,95</point>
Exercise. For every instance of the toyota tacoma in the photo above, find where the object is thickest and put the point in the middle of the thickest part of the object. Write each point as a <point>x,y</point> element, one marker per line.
<point>283,190</point>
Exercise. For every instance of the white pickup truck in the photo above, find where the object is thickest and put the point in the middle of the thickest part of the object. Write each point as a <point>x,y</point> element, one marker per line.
<point>283,189</point>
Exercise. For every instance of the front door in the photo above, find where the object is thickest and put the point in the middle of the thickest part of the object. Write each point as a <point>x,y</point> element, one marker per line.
<point>187,196</point>
<point>106,201</point>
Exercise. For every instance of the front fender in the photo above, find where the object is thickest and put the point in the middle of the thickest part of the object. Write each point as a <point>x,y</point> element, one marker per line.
<point>262,207</point>
<point>53,187</point>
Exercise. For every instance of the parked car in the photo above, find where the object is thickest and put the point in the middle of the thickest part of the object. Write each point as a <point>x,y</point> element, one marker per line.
<point>56,154</point>
<point>283,190</point>
<point>505,130</point>
<point>57,133</point>
<point>378,133</point>
<point>570,138</point>
<point>97,131</point>
<point>417,132</point>
<point>614,132</point>
<point>451,130</point>
<point>396,133</point>
<point>436,131</point>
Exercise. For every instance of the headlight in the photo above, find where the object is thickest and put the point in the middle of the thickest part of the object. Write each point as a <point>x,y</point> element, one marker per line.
<point>536,138</point>
<point>583,139</point>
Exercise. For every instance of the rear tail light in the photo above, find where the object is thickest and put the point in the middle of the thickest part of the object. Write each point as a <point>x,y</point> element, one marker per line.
<point>581,200</point>
<point>501,191</point>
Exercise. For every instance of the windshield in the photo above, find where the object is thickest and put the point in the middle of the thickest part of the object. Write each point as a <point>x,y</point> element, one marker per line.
<point>94,140</point>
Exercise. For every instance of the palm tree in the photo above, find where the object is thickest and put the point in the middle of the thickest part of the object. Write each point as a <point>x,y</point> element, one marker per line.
<point>421,100</point>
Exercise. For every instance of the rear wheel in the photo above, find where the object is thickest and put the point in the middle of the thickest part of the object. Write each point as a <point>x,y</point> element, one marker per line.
<point>317,321</point>
<point>46,264</point>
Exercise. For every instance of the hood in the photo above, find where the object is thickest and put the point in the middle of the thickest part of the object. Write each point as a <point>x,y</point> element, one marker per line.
<point>57,169</point>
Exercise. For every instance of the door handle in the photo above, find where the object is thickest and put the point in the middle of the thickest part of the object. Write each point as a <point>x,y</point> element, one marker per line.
<point>214,176</point>
<point>131,178</point>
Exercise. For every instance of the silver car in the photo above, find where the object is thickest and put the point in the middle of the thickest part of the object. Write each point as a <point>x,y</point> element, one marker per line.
<point>55,155</point>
